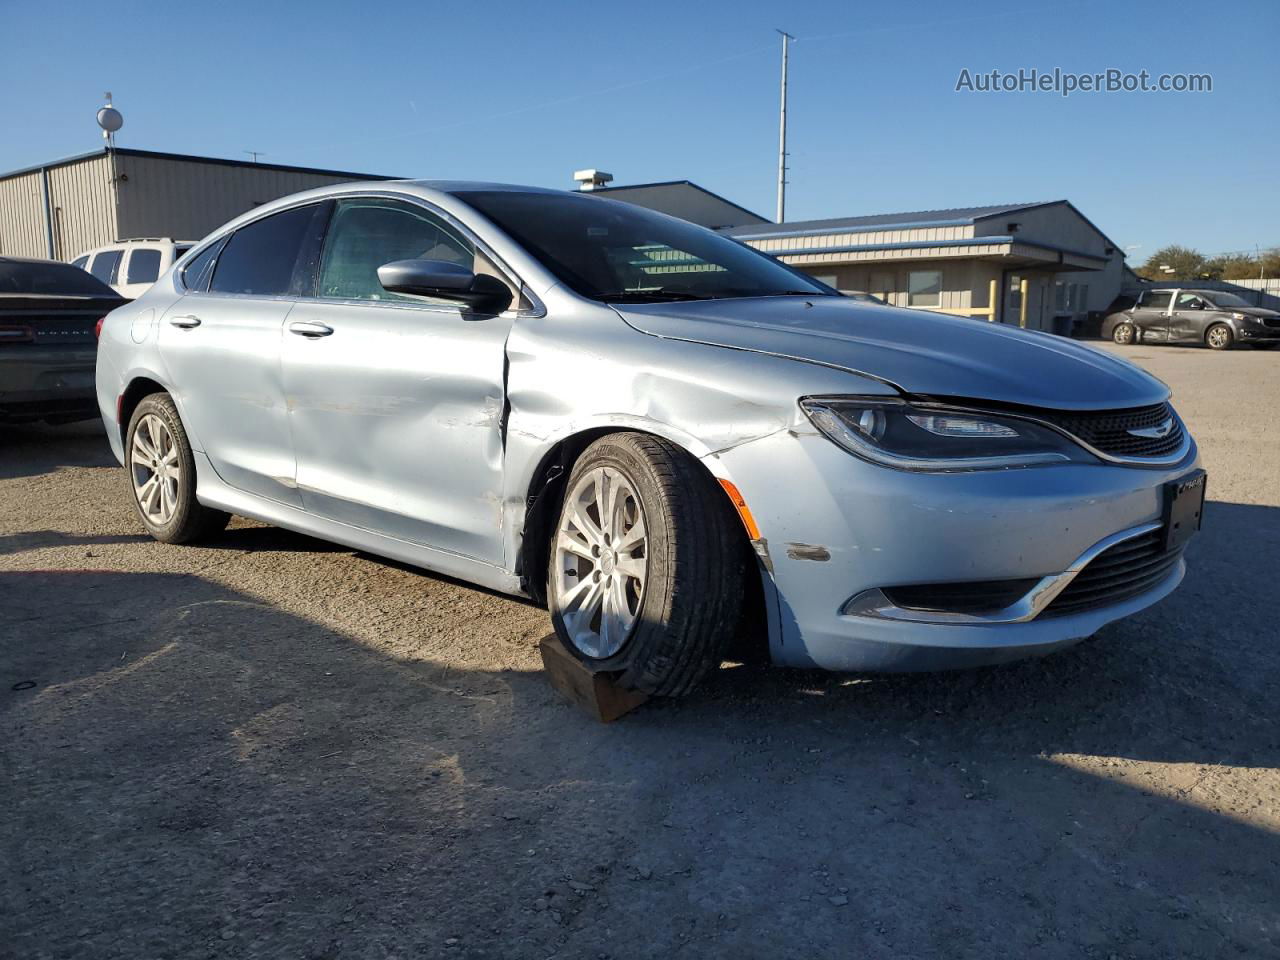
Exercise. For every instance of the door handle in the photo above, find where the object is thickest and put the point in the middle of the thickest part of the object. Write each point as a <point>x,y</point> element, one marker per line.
<point>186,323</point>
<point>310,329</point>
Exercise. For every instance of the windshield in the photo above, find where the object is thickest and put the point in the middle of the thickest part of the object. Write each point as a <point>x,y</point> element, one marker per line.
<point>27,276</point>
<point>617,252</point>
<point>1220,299</point>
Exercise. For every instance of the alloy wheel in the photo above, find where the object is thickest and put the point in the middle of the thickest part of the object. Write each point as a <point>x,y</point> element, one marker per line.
<point>1219,337</point>
<point>601,562</point>
<point>153,461</point>
<point>1124,333</point>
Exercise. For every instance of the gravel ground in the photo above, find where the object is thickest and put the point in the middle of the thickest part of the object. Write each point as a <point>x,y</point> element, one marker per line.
<point>273,747</point>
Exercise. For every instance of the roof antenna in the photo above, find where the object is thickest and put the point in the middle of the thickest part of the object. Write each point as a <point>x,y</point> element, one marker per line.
<point>110,120</point>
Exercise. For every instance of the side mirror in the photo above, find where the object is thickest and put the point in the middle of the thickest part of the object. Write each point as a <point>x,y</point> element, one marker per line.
<point>446,280</point>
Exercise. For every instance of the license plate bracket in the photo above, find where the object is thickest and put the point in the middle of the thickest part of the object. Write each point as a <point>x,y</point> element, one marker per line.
<point>1183,508</point>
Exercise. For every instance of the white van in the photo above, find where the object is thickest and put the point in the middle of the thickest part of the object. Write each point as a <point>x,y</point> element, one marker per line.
<point>130,267</point>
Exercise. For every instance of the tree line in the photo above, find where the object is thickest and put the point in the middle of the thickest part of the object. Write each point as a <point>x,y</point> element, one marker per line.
<point>1190,264</point>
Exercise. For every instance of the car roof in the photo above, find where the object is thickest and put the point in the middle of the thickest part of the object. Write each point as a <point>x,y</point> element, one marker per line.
<point>5,258</point>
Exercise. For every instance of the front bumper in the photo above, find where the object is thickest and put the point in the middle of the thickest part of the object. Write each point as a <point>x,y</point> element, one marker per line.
<point>1258,333</point>
<point>835,527</point>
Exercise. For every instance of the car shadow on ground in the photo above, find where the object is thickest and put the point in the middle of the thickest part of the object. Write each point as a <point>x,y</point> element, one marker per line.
<point>188,770</point>
<point>37,448</point>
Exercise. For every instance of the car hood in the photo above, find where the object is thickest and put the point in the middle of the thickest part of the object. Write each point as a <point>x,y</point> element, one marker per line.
<point>1251,311</point>
<point>915,351</point>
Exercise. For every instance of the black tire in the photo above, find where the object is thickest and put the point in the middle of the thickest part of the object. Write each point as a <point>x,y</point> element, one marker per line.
<point>190,521</point>
<point>1219,337</point>
<point>1125,334</point>
<point>695,553</point>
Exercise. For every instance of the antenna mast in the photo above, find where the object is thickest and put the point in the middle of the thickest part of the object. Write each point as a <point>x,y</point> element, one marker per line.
<point>782,133</point>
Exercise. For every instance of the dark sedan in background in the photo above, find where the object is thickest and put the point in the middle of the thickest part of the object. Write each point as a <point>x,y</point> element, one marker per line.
<point>1215,318</point>
<point>49,316</point>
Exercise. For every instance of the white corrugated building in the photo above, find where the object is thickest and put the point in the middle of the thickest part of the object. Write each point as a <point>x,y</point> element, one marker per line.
<point>60,209</point>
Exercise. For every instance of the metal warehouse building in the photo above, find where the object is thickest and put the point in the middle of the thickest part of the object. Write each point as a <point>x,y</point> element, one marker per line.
<point>1036,265</point>
<point>60,209</point>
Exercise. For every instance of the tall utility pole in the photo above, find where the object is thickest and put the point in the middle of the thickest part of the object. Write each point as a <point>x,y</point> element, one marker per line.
<point>782,133</point>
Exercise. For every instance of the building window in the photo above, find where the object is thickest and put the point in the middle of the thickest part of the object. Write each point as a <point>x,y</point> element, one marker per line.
<point>924,288</point>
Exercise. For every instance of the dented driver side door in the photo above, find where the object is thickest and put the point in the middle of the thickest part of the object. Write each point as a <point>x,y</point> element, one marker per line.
<point>396,403</point>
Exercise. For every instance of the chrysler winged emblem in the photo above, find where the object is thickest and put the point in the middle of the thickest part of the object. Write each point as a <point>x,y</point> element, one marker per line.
<point>1154,433</point>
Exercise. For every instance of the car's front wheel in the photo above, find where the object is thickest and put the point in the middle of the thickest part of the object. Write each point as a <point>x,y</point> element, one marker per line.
<point>162,475</point>
<point>1219,337</point>
<point>647,565</point>
<point>1124,333</point>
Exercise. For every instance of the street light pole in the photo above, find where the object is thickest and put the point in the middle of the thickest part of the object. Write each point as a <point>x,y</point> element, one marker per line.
<point>782,133</point>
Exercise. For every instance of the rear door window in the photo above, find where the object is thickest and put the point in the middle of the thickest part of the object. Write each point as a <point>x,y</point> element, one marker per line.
<point>259,259</point>
<point>81,262</point>
<point>1157,301</point>
<point>106,265</point>
<point>144,266</point>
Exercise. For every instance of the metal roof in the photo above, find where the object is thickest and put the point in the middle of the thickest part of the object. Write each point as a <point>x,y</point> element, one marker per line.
<point>684,183</point>
<point>220,161</point>
<point>952,216</point>
<point>949,217</point>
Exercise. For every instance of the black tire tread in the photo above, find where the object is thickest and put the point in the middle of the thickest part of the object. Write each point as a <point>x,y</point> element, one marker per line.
<point>701,587</point>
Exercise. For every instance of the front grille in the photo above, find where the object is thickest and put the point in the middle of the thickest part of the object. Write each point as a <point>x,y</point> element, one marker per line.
<point>1271,321</point>
<point>1108,430</point>
<point>1119,573</point>
<point>973,597</point>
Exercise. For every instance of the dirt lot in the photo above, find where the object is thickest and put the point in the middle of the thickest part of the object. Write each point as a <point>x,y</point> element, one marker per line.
<point>269,746</point>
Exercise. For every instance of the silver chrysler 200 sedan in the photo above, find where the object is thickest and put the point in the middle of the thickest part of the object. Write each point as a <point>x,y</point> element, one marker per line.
<point>675,441</point>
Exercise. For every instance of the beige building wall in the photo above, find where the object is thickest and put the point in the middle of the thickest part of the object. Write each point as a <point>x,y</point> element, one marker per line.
<point>84,208</point>
<point>965,283</point>
<point>187,199</point>
<point>22,231</point>
<point>103,198</point>
<point>84,213</point>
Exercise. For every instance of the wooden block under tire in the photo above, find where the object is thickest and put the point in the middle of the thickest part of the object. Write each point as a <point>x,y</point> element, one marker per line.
<point>596,693</point>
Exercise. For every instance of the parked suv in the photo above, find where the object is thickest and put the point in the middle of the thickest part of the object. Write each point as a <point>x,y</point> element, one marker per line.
<point>1213,317</point>
<point>666,435</point>
<point>130,267</point>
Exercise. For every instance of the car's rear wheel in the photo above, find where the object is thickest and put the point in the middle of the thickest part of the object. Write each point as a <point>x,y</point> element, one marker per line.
<point>1124,333</point>
<point>162,475</point>
<point>646,570</point>
<point>1219,337</point>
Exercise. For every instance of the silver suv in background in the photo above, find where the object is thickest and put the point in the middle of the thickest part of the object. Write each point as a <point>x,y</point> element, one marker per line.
<point>130,267</point>
<point>1216,318</point>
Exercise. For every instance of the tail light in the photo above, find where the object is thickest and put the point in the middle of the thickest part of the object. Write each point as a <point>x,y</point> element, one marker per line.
<point>16,334</point>
<point>97,327</point>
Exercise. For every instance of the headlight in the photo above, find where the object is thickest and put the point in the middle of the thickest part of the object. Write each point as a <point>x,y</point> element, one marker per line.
<point>1241,316</point>
<point>894,433</point>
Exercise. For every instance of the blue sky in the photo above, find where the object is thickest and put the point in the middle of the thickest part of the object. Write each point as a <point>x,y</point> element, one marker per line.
<point>528,92</point>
